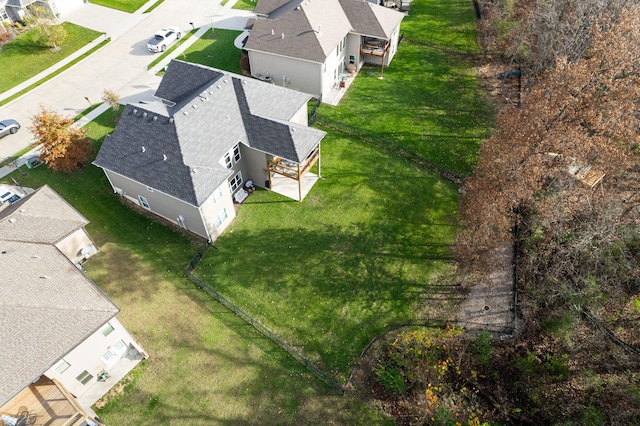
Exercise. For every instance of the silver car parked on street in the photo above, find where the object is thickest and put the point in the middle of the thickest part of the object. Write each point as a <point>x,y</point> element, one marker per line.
<point>8,127</point>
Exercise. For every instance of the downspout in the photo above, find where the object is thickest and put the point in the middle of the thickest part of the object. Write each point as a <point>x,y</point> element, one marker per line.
<point>299,184</point>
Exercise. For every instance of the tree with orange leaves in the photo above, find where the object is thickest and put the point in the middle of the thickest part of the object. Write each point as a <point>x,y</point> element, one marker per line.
<point>64,145</point>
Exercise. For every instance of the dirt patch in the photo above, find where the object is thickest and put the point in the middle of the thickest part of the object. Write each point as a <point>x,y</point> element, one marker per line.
<point>489,304</point>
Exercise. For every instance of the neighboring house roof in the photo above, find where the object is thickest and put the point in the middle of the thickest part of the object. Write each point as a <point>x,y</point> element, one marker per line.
<point>20,3</point>
<point>40,217</point>
<point>47,305</point>
<point>312,28</point>
<point>371,20</point>
<point>177,149</point>
<point>268,7</point>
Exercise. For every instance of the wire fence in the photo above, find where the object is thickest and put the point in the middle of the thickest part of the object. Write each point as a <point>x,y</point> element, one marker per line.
<point>293,352</point>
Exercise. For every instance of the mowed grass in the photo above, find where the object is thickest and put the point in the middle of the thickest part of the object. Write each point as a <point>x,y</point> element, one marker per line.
<point>206,366</point>
<point>23,58</point>
<point>358,255</point>
<point>430,100</point>
<point>216,49</point>
<point>244,4</point>
<point>123,5</point>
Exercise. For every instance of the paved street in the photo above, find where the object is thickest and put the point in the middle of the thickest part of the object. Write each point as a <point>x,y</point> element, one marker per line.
<point>120,66</point>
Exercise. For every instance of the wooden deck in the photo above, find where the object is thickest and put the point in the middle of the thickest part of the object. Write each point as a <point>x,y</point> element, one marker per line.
<point>48,403</point>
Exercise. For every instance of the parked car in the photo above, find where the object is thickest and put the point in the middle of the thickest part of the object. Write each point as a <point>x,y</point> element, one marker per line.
<point>8,127</point>
<point>8,196</point>
<point>163,38</point>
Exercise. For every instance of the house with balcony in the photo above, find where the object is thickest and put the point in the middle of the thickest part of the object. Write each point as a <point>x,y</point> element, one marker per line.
<point>210,139</point>
<point>62,345</point>
<point>315,45</point>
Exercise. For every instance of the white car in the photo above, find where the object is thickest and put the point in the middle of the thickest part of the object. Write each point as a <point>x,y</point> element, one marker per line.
<point>163,38</point>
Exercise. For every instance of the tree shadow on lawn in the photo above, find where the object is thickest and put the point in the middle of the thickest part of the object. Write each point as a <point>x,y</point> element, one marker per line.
<point>358,255</point>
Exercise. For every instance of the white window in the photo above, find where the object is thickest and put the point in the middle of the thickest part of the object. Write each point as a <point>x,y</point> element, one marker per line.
<point>62,366</point>
<point>114,353</point>
<point>143,202</point>
<point>107,329</point>
<point>236,153</point>
<point>84,377</point>
<point>220,218</point>
<point>227,160</point>
<point>217,195</point>
<point>236,182</point>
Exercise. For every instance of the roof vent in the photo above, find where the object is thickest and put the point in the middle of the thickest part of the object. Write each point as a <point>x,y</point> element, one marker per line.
<point>273,32</point>
<point>164,157</point>
<point>225,81</point>
<point>218,86</point>
<point>12,220</point>
<point>194,171</point>
<point>144,114</point>
<point>35,256</point>
<point>211,92</point>
<point>144,149</point>
<point>244,81</point>
<point>155,118</point>
<point>185,112</point>
<point>282,35</point>
<point>135,110</point>
<point>319,29</point>
<point>194,106</point>
<point>228,118</point>
<point>170,119</point>
<point>44,277</point>
<point>3,252</point>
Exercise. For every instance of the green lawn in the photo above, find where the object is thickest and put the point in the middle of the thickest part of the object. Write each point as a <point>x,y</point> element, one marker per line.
<point>356,256</point>
<point>217,51</point>
<point>206,366</point>
<point>123,5</point>
<point>244,4</point>
<point>430,100</point>
<point>22,58</point>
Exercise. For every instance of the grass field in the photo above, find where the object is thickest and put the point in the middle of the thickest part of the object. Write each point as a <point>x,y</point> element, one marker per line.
<point>358,255</point>
<point>367,248</point>
<point>23,58</point>
<point>244,4</point>
<point>430,100</point>
<point>123,5</point>
<point>206,366</point>
<point>215,49</point>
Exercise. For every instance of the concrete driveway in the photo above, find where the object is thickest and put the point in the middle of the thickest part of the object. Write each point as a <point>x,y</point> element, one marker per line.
<point>120,66</point>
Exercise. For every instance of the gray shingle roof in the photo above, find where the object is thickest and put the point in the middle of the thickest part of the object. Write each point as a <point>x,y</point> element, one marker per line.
<point>314,28</point>
<point>47,305</point>
<point>184,147</point>
<point>42,216</point>
<point>310,31</point>
<point>371,20</point>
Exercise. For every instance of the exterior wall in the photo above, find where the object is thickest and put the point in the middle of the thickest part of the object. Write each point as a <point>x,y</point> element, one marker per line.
<point>161,204</point>
<point>395,37</point>
<point>72,245</point>
<point>353,49</point>
<point>301,75</point>
<point>302,116</point>
<point>214,205</point>
<point>87,356</point>
<point>334,66</point>
<point>62,8</point>
<point>255,164</point>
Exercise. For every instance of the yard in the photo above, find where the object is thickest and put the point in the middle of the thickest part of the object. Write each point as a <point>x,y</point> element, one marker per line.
<point>23,58</point>
<point>123,5</point>
<point>368,248</point>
